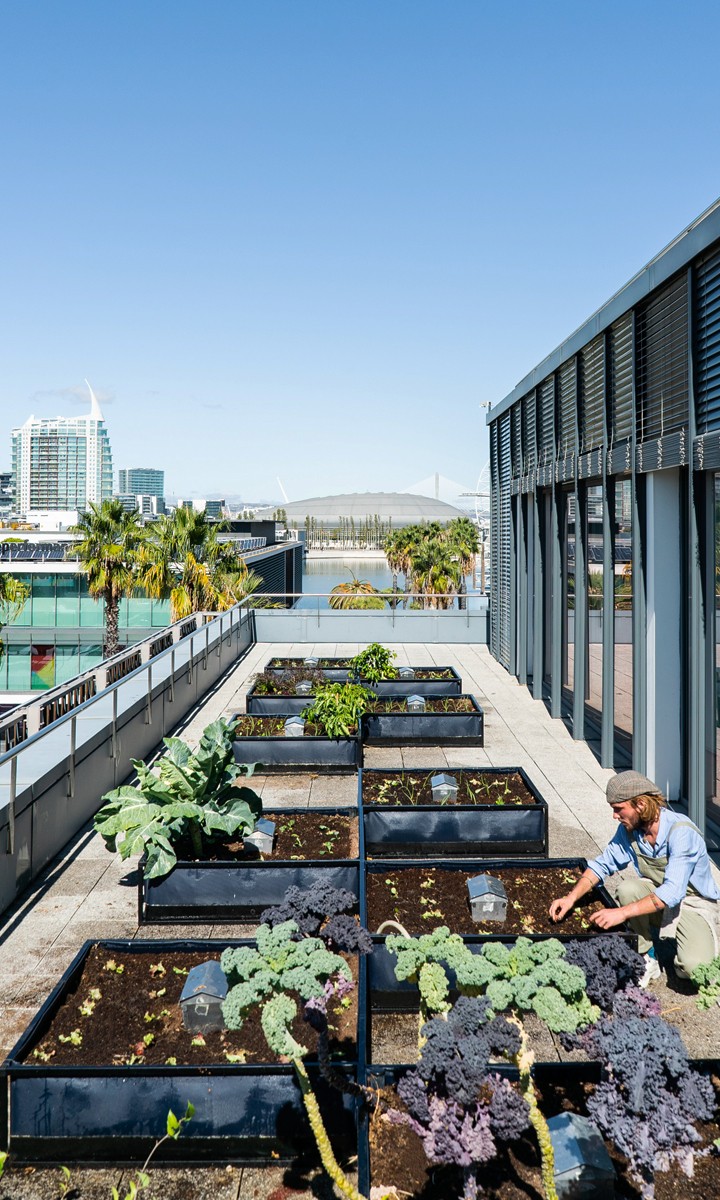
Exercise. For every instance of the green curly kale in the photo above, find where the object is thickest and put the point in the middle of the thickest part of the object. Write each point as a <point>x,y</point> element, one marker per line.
<point>707,979</point>
<point>264,973</point>
<point>523,975</point>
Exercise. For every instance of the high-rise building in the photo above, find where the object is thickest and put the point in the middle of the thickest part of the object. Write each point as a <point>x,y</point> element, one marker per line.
<point>141,481</point>
<point>62,463</point>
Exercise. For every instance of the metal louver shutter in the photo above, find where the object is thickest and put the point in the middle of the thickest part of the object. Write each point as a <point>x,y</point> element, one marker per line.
<point>567,407</point>
<point>529,432</point>
<point>500,533</point>
<point>516,417</point>
<point>661,358</point>
<point>621,391</point>
<point>592,377</point>
<point>707,343</point>
<point>546,446</point>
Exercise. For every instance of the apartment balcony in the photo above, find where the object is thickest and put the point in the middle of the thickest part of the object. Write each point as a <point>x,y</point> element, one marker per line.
<point>60,887</point>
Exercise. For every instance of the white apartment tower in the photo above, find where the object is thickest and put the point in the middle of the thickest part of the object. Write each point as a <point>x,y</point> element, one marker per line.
<point>62,463</point>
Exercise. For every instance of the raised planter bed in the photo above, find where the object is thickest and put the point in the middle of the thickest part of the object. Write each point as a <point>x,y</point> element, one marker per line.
<point>265,744</point>
<point>390,724</point>
<point>421,897</point>
<point>429,681</point>
<point>103,1107</point>
<point>439,681</point>
<point>393,1155</point>
<point>498,811</point>
<point>239,888</point>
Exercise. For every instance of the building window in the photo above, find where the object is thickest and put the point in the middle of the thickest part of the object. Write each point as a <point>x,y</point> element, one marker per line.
<point>622,624</point>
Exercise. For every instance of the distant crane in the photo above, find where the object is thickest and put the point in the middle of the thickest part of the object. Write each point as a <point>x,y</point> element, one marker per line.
<point>282,489</point>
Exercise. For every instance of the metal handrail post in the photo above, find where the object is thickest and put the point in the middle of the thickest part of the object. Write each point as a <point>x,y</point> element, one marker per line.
<point>11,806</point>
<point>71,766</point>
<point>149,694</point>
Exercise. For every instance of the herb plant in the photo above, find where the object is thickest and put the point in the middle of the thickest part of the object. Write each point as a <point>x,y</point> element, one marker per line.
<point>193,796</point>
<point>373,664</point>
<point>338,707</point>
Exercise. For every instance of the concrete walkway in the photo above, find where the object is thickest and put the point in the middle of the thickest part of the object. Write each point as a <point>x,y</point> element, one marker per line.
<point>90,894</point>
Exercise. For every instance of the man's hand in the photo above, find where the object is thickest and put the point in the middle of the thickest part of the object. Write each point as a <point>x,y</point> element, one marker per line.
<point>607,918</point>
<point>560,908</point>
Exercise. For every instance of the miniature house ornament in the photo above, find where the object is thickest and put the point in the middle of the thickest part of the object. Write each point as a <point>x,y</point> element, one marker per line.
<point>416,704</point>
<point>488,898</point>
<point>262,836</point>
<point>294,727</point>
<point>310,661</point>
<point>444,789</point>
<point>202,996</point>
<point>583,1167</point>
<point>406,673</point>
<point>303,687</point>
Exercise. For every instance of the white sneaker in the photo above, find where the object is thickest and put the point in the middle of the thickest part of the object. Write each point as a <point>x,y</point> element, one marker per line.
<point>652,971</point>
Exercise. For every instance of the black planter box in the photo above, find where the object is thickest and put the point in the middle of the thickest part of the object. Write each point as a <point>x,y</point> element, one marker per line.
<point>385,687</point>
<point>280,753</point>
<point>262,705</point>
<point>425,729</point>
<point>239,891</point>
<point>246,1113</point>
<point>546,1075</point>
<point>392,830</point>
<point>387,993</point>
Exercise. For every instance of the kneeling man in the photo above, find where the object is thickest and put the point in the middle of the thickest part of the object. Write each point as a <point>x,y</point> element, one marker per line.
<point>671,895</point>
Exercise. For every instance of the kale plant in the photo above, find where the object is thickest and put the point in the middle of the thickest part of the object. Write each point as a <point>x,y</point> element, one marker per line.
<point>455,1103</point>
<point>609,964</point>
<point>324,911</point>
<point>192,796</point>
<point>707,978</point>
<point>264,976</point>
<point>649,1096</point>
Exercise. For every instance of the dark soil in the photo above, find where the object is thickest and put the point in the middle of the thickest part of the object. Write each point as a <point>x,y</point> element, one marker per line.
<point>433,704</point>
<point>143,1001</point>
<point>430,896</point>
<point>474,787</point>
<point>298,835</point>
<point>296,664</point>
<point>274,727</point>
<point>398,1159</point>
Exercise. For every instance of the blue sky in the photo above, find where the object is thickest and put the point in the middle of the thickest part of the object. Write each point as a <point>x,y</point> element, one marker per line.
<point>308,238</point>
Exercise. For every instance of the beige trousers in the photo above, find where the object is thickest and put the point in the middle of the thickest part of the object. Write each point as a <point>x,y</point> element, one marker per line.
<point>695,939</point>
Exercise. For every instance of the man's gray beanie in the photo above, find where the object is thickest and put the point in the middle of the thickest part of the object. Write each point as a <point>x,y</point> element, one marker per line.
<point>629,784</point>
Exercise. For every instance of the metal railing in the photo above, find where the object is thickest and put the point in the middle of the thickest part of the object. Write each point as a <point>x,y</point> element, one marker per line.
<point>32,716</point>
<point>51,778</point>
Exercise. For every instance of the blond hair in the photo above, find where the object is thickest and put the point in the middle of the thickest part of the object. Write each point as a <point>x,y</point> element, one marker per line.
<point>648,807</point>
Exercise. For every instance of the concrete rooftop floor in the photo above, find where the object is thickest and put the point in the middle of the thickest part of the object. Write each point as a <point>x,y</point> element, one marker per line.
<point>89,894</point>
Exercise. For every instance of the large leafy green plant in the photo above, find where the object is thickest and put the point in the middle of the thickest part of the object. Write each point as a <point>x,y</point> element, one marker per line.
<point>338,707</point>
<point>373,664</point>
<point>192,796</point>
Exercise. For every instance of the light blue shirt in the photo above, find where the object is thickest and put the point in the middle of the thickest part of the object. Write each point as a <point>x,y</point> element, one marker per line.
<point>684,849</point>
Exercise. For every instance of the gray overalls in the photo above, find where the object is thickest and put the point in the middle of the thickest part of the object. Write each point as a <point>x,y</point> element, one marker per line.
<point>694,923</point>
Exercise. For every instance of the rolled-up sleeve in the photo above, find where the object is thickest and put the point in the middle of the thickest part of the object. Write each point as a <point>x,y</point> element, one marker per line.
<point>616,855</point>
<point>685,847</point>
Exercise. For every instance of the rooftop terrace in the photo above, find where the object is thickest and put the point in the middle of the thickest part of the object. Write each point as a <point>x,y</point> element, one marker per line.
<point>87,893</point>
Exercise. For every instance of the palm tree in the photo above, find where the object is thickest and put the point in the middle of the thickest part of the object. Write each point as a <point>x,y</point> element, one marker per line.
<point>359,593</point>
<point>463,537</point>
<point>184,559</point>
<point>13,595</point>
<point>110,539</point>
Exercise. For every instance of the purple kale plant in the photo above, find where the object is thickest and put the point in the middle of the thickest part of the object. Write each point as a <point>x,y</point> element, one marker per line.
<point>610,965</point>
<point>649,1096</point>
<point>456,1104</point>
<point>322,911</point>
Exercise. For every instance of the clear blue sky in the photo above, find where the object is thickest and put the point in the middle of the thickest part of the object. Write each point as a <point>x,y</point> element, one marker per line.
<point>307,238</point>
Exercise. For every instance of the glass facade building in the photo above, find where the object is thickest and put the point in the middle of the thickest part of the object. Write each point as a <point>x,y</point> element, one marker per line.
<point>605,526</point>
<point>62,463</point>
<point>141,481</point>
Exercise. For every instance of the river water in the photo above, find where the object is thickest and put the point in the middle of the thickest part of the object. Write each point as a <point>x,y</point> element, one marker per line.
<point>322,575</point>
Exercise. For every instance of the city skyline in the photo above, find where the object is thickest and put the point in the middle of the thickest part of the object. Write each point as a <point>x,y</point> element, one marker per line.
<point>265,232</point>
